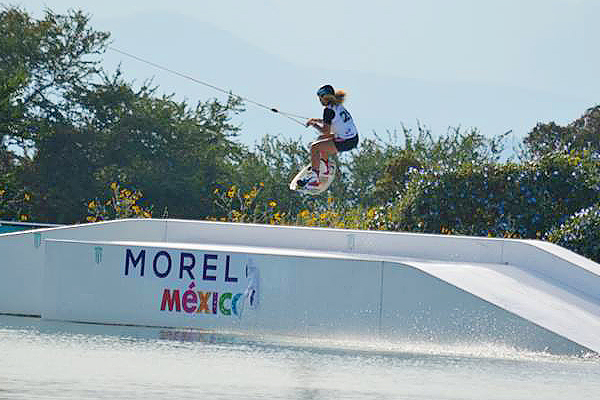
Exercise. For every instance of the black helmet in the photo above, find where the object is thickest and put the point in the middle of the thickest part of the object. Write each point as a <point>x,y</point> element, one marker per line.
<point>324,90</point>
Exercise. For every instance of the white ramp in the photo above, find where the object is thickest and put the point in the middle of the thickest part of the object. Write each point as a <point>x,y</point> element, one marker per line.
<point>394,286</point>
<point>555,307</point>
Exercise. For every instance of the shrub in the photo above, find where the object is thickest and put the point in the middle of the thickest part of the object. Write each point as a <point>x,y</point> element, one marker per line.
<point>580,233</point>
<point>516,200</point>
<point>15,202</point>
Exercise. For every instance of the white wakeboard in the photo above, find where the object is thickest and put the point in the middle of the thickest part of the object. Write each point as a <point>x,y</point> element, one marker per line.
<point>325,179</point>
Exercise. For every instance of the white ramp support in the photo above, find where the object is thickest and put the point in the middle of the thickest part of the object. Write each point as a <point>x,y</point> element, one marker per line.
<point>308,282</point>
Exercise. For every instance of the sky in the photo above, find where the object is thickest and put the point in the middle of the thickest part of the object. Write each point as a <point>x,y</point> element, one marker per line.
<point>491,65</point>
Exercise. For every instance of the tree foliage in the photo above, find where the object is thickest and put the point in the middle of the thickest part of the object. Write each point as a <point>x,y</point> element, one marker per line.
<point>422,150</point>
<point>582,134</point>
<point>43,62</point>
<point>580,233</point>
<point>523,200</point>
<point>80,128</point>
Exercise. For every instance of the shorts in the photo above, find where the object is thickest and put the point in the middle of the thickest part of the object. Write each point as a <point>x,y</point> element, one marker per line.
<point>346,145</point>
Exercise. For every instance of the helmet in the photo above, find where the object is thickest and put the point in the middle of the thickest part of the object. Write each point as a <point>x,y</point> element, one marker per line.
<point>324,90</point>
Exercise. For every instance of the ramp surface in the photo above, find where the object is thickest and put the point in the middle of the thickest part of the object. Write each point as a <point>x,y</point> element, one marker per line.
<point>557,308</point>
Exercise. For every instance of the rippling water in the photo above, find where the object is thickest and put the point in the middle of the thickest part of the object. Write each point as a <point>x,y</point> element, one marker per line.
<point>55,360</point>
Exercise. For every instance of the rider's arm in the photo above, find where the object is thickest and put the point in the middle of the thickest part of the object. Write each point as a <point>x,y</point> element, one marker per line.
<point>323,125</point>
<point>328,115</point>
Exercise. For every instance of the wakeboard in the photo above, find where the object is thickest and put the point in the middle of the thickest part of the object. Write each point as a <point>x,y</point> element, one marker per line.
<point>325,178</point>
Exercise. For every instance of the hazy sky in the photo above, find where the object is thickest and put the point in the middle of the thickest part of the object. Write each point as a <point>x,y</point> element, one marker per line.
<point>544,49</point>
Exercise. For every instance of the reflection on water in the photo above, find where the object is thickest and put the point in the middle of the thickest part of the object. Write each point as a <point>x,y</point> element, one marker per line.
<point>56,360</point>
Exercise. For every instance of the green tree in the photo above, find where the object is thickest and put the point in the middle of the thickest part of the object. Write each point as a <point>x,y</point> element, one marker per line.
<point>581,134</point>
<point>19,41</point>
<point>174,153</point>
<point>42,63</point>
<point>61,175</point>
<point>366,166</point>
<point>380,169</point>
<point>274,162</point>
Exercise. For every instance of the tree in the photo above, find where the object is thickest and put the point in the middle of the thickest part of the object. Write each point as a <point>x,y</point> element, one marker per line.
<point>582,134</point>
<point>61,175</point>
<point>274,162</point>
<point>19,40</point>
<point>366,167</point>
<point>42,62</point>
<point>173,153</point>
<point>381,168</point>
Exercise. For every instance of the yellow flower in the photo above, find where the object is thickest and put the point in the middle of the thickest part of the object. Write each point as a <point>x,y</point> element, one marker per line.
<point>216,191</point>
<point>92,204</point>
<point>371,213</point>
<point>91,218</point>
<point>262,184</point>
<point>114,186</point>
<point>146,214</point>
<point>27,197</point>
<point>23,217</point>
<point>304,213</point>
<point>231,192</point>
<point>272,204</point>
<point>246,196</point>
<point>2,191</point>
<point>330,200</point>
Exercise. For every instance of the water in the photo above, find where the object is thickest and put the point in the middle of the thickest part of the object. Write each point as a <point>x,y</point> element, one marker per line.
<point>55,360</point>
